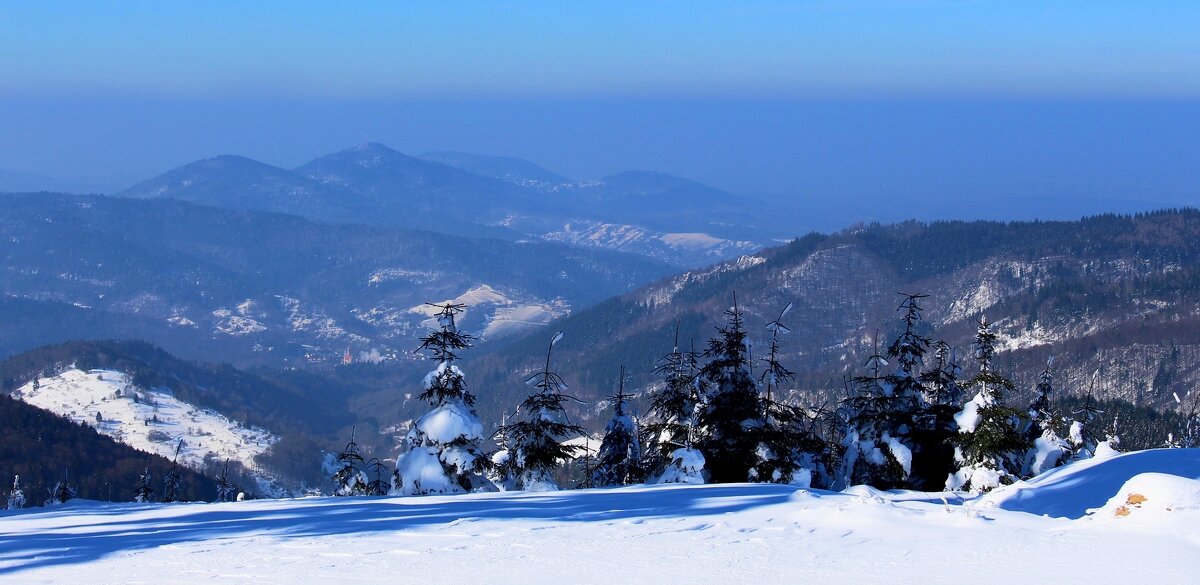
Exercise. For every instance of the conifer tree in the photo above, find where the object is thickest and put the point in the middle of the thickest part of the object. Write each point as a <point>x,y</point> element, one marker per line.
<point>501,472</point>
<point>732,414</point>
<point>444,453</point>
<point>16,497</point>
<point>941,399</point>
<point>989,445</point>
<point>941,382</point>
<point>619,461</point>
<point>788,451</point>
<point>142,492</point>
<point>1081,436</point>
<point>537,447</point>
<point>225,488</point>
<point>673,408</point>
<point>921,428</point>
<point>1049,449</point>
<point>1189,436</point>
<point>349,479</point>
<point>877,418</point>
<point>381,477</point>
<point>172,489</point>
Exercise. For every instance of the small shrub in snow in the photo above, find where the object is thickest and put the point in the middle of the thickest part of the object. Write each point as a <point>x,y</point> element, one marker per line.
<point>142,492</point>
<point>225,488</point>
<point>686,466</point>
<point>61,493</point>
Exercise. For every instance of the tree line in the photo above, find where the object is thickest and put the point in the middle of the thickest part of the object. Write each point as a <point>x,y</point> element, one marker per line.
<point>916,416</point>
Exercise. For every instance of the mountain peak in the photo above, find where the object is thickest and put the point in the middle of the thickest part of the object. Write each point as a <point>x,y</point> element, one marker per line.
<point>229,160</point>
<point>374,147</point>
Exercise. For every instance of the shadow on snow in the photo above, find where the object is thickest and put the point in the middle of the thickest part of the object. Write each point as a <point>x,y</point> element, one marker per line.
<point>116,532</point>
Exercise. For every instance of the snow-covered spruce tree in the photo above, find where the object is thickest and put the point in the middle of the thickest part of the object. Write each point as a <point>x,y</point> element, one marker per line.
<point>142,492</point>
<point>619,461</point>
<point>989,446</point>
<point>930,459</point>
<point>172,488</point>
<point>349,479</point>
<point>943,396</point>
<point>877,419</point>
<point>226,491</point>
<point>673,408</point>
<point>1049,449</point>
<point>444,446</point>
<point>788,450</point>
<point>536,440</point>
<point>16,497</point>
<point>501,473</point>
<point>732,413</point>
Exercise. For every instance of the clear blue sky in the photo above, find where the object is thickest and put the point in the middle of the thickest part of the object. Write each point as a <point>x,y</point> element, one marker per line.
<point>823,48</point>
<point>827,98</point>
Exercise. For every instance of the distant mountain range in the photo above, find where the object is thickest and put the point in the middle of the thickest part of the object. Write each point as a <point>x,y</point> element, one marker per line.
<point>667,218</point>
<point>253,287</point>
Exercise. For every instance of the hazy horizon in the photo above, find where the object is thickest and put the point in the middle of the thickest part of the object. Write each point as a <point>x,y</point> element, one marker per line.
<point>845,104</point>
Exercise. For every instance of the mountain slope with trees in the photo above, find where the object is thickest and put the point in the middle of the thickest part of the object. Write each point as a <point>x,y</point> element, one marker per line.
<point>43,449</point>
<point>1116,295</point>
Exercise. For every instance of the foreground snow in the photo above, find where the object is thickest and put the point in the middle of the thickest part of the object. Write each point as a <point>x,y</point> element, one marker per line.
<point>661,534</point>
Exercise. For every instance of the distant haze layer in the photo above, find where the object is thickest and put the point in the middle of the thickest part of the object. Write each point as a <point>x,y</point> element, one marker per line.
<point>862,160</point>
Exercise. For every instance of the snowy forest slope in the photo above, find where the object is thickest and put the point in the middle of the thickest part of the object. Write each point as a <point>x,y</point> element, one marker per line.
<point>1118,295</point>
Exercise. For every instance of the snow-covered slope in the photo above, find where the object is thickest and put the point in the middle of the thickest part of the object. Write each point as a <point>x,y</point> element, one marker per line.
<point>1074,490</point>
<point>148,419</point>
<point>495,314</point>
<point>739,533</point>
<point>682,249</point>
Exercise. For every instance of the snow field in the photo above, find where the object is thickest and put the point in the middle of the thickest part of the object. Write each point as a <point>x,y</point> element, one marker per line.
<point>734,533</point>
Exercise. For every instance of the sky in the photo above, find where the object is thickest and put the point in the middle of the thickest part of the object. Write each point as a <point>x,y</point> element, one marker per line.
<point>829,100</point>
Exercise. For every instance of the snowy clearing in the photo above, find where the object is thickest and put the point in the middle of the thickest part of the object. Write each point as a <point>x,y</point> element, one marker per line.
<point>738,533</point>
<point>151,420</point>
